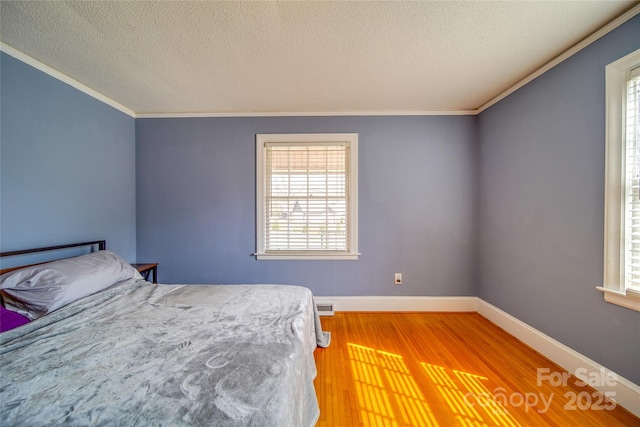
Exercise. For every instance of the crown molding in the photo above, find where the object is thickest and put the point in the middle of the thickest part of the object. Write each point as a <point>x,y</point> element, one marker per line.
<point>312,113</point>
<point>64,78</point>
<point>566,54</point>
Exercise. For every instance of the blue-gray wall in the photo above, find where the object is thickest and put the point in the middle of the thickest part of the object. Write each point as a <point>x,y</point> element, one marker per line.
<point>67,170</point>
<point>541,207</point>
<point>196,204</point>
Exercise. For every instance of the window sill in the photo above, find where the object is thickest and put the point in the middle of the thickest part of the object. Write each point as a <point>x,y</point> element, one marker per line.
<point>307,257</point>
<point>629,299</point>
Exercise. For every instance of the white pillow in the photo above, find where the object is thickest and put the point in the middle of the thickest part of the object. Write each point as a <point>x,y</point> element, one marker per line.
<point>40,289</point>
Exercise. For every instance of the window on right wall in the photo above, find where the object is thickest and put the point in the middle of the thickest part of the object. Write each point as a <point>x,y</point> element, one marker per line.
<point>622,183</point>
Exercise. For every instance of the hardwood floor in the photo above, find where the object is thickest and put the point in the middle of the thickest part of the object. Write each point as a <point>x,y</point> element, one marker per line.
<point>446,369</point>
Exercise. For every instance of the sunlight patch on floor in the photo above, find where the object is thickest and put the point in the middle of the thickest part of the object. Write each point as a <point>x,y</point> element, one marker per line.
<point>387,393</point>
<point>469,399</point>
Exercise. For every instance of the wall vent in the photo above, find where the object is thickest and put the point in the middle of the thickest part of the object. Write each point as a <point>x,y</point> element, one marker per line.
<point>325,308</point>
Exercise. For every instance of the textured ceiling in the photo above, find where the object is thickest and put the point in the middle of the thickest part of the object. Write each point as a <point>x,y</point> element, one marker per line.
<point>241,57</point>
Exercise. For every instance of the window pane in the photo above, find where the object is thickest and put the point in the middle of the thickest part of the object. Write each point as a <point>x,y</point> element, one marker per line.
<point>632,184</point>
<point>306,203</point>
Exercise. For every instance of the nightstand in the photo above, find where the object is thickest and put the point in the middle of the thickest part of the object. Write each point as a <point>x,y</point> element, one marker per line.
<point>147,270</point>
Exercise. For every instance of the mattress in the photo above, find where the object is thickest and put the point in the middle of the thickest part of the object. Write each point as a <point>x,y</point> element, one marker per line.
<point>172,355</point>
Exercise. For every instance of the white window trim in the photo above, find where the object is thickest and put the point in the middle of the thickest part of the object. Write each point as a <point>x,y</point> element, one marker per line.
<point>352,139</point>
<point>614,234</point>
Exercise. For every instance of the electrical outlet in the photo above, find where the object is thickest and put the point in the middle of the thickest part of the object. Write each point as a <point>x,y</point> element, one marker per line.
<point>398,279</point>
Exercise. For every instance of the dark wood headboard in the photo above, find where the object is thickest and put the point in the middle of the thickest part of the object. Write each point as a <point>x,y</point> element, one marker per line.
<point>101,244</point>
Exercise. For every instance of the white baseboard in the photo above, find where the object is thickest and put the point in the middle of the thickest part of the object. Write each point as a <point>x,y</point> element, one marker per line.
<point>627,394</point>
<point>401,303</point>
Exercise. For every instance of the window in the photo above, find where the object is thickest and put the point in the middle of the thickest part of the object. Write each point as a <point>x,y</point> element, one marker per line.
<point>622,187</point>
<point>307,196</point>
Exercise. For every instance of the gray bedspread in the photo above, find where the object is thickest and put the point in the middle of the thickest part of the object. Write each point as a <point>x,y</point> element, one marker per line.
<point>166,355</point>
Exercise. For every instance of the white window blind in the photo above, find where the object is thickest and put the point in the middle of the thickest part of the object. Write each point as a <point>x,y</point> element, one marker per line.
<point>632,184</point>
<point>306,196</point>
<point>307,193</point>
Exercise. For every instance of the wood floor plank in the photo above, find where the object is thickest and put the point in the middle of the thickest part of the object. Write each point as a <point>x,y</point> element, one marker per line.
<point>445,369</point>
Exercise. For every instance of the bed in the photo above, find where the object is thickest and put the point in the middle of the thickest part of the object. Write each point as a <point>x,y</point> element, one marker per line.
<point>102,346</point>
